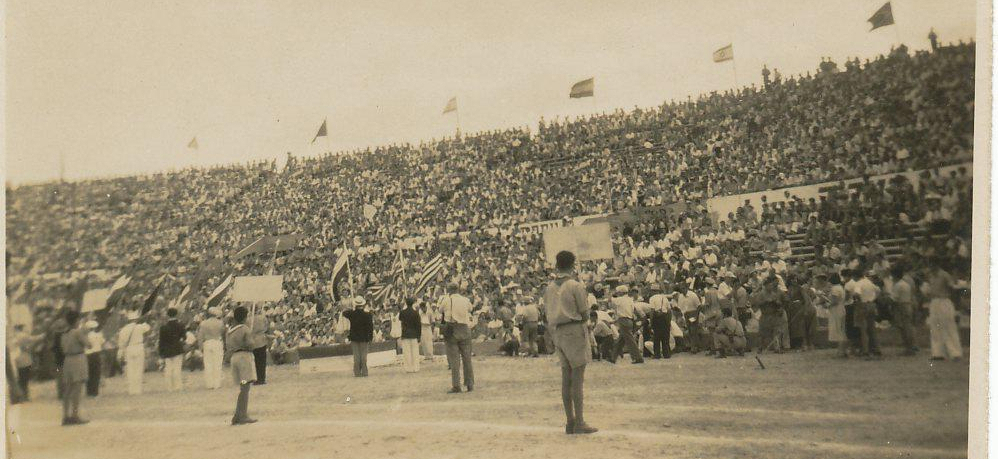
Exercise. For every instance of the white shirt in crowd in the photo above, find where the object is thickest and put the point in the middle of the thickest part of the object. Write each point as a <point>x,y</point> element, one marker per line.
<point>688,302</point>
<point>865,290</point>
<point>126,336</point>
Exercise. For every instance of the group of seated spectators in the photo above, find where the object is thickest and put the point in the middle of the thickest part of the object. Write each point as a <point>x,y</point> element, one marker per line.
<point>468,197</point>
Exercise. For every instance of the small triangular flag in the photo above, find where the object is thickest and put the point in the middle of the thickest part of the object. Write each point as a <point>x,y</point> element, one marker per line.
<point>321,133</point>
<point>883,17</point>
<point>193,143</point>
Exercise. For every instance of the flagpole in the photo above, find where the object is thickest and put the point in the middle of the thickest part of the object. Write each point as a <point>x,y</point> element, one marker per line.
<point>734,70</point>
<point>457,114</point>
<point>349,271</point>
<point>405,280</point>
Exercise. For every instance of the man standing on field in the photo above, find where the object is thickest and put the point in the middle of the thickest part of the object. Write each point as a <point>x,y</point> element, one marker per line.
<point>566,311</point>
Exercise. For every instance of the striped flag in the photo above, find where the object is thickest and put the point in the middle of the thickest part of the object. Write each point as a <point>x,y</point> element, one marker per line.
<point>147,306</point>
<point>433,266</point>
<point>451,105</point>
<point>726,53</point>
<point>218,294</point>
<point>380,291</point>
<point>583,88</point>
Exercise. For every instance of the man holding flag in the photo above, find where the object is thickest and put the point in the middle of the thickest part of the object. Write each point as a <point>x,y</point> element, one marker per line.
<point>131,349</point>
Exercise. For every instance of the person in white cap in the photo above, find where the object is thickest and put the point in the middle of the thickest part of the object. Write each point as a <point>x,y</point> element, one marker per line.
<point>95,340</point>
<point>626,317</point>
<point>131,349</point>
<point>361,335</point>
<point>209,337</point>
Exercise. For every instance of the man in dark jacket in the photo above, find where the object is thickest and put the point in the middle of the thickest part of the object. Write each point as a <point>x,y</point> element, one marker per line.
<point>361,334</point>
<point>411,332</point>
<point>661,326</point>
<point>171,349</point>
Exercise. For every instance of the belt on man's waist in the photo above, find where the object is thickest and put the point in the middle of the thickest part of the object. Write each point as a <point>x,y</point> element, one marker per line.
<point>570,323</point>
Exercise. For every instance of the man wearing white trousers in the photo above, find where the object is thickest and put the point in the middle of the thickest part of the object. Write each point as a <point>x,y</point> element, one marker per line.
<point>171,349</point>
<point>209,336</point>
<point>943,333</point>
<point>131,349</point>
<point>411,331</point>
<point>426,330</point>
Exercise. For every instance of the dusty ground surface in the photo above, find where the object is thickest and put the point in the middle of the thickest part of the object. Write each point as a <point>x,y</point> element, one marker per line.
<point>801,405</point>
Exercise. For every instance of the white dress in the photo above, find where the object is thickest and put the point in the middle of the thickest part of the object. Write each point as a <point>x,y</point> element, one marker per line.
<point>837,314</point>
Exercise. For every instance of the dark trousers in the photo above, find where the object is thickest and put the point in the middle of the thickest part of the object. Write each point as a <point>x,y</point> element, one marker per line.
<point>902,316</point>
<point>260,359</point>
<point>112,366</point>
<point>660,344</point>
<point>93,373</point>
<point>604,348</point>
<point>866,320</point>
<point>23,376</point>
<point>626,327</point>
<point>458,356</point>
<point>359,357</point>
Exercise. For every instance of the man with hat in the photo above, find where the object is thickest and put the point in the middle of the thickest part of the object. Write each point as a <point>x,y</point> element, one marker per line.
<point>209,336</point>
<point>626,316</point>
<point>457,336</point>
<point>361,334</point>
<point>131,349</point>
<point>566,311</point>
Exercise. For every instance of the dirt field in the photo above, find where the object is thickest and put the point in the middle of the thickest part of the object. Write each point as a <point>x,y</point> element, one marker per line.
<point>802,405</point>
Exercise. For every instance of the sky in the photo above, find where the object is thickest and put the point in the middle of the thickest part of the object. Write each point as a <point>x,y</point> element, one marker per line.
<point>116,87</point>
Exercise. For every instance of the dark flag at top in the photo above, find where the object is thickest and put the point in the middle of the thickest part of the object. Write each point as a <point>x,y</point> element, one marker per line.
<point>883,17</point>
<point>321,133</point>
<point>583,88</point>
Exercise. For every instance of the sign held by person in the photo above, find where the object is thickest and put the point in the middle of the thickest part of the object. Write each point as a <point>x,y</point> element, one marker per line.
<point>587,242</point>
<point>258,288</point>
<point>95,300</point>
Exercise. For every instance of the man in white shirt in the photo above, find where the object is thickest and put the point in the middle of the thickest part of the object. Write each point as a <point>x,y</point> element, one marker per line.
<point>689,303</point>
<point>427,315</point>
<point>457,318</point>
<point>626,315</point>
<point>209,336</point>
<point>131,348</point>
<point>865,312</point>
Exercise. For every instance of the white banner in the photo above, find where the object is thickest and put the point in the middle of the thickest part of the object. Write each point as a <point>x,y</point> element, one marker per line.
<point>258,288</point>
<point>94,300</point>
<point>587,242</point>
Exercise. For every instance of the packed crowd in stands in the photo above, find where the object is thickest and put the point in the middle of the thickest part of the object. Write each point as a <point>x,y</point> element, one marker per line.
<point>465,197</point>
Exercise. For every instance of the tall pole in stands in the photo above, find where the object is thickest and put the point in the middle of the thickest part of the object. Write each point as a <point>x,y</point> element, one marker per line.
<point>349,272</point>
<point>405,280</point>
<point>734,70</point>
<point>457,115</point>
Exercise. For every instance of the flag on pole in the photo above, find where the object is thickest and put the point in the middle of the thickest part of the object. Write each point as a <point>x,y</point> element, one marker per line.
<point>433,266</point>
<point>883,17</point>
<point>193,144</point>
<point>451,105</point>
<point>121,283</point>
<point>147,306</point>
<point>180,302</point>
<point>321,133</point>
<point>380,291</point>
<point>726,53</point>
<point>340,272</point>
<point>219,293</point>
<point>583,88</point>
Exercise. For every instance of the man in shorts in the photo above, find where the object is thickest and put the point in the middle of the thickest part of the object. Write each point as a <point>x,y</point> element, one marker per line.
<point>566,310</point>
<point>240,346</point>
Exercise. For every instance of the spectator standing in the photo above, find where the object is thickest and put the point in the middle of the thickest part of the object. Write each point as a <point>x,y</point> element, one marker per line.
<point>566,308</point>
<point>209,336</point>
<point>73,343</point>
<point>943,333</point>
<point>261,341</point>
<point>426,330</point>
<point>171,350</point>
<point>865,315</point>
<point>457,334</point>
<point>361,335</point>
<point>531,315</point>
<point>411,331</point>
<point>131,349</point>
<point>240,347</point>
<point>902,292</point>
<point>95,343</point>
<point>626,317</point>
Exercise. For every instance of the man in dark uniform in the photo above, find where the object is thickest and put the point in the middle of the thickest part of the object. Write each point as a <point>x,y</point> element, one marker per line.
<point>361,335</point>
